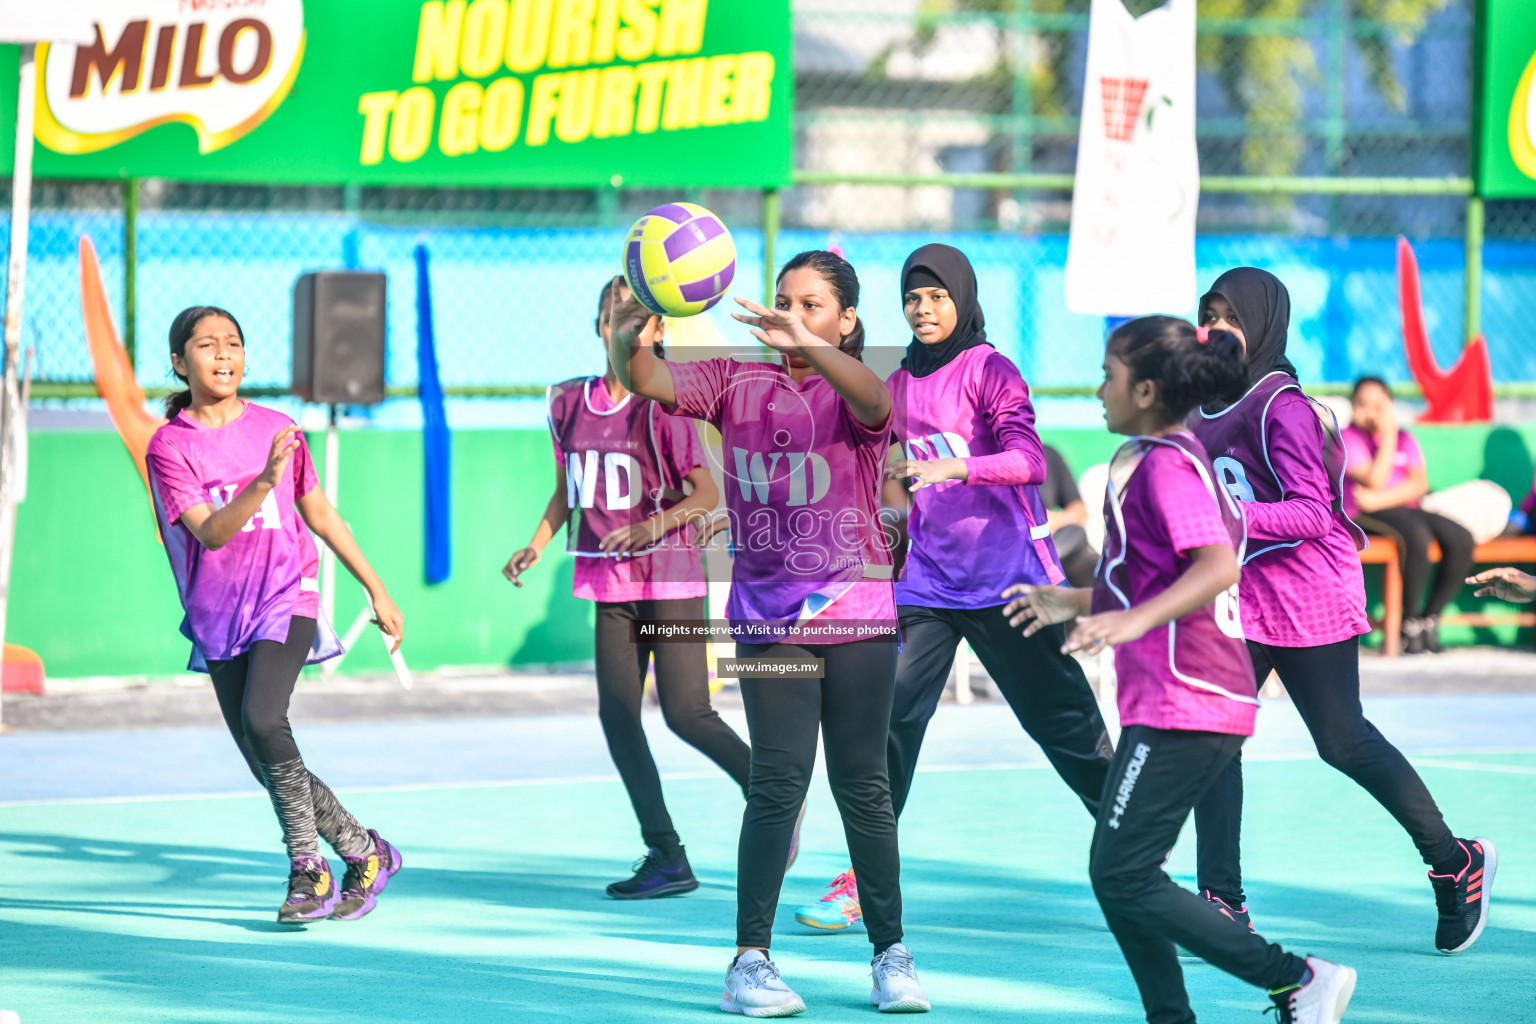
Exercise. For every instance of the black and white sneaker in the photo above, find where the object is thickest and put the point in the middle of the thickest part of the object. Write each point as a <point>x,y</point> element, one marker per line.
<point>1322,999</point>
<point>1462,898</point>
<point>656,874</point>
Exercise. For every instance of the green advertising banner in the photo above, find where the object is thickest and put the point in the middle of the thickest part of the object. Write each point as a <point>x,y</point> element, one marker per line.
<point>1507,161</point>
<point>542,93</point>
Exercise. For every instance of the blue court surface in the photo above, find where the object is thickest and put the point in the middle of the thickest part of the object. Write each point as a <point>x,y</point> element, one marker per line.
<point>140,873</point>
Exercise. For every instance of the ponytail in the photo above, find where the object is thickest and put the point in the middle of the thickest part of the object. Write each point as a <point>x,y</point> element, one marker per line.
<point>1189,365</point>
<point>840,276</point>
<point>182,329</point>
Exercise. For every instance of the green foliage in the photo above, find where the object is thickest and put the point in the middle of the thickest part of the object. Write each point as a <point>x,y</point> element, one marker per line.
<point>1266,77</point>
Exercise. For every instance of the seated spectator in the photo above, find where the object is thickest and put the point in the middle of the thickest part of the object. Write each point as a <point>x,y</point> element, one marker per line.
<point>1385,480</point>
<point>1066,515</point>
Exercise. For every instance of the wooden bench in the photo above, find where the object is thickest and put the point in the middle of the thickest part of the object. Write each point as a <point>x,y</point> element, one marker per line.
<point>1501,551</point>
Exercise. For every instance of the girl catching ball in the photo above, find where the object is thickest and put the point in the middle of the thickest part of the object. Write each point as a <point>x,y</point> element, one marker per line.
<point>804,440</point>
<point>236,497</point>
<point>1165,596</point>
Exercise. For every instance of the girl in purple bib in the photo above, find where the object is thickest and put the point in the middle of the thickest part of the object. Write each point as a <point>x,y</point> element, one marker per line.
<point>969,453</point>
<point>1165,596</point>
<point>1303,598</point>
<point>236,498</point>
<point>629,483</point>
<point>804,443</point>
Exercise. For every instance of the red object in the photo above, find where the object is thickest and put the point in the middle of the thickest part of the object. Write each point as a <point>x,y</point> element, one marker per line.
<point>1462,394</point>
<point>21,670</point>
<point>1122,104</point>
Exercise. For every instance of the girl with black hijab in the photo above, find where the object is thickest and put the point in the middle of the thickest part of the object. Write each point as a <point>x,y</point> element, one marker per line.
<point>1301,601</point>
<point>972,464</point>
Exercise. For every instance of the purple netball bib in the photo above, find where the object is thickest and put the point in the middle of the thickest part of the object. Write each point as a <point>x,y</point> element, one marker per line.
<point>1161,502</point>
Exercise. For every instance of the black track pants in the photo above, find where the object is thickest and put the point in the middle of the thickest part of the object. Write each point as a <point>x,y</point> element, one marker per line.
<point>1324,684</point>
<point>1157,777</point>
<point>682,685</point>
<point>1046,689</point>
<point>849,707</point>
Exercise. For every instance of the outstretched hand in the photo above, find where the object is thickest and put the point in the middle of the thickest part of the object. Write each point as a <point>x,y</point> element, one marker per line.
<point>630,321</point>
<point>1506,584</point>
<point>284,443</point>
<point>779,329</point>
<point>1035,607</point>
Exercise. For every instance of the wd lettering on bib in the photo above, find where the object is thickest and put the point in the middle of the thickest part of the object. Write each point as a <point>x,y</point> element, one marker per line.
<point>267,513</point>
<point>803,478</point>
<point>942,445</point>
<point>621,480</point>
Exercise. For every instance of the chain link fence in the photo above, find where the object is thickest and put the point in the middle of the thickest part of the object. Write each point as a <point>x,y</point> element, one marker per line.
<point>918,89</point>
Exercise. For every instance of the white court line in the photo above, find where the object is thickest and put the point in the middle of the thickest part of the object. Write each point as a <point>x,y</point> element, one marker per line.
<point>571,780</point>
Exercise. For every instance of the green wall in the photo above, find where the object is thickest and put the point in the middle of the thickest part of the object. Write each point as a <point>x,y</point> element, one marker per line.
<point>91,591</point>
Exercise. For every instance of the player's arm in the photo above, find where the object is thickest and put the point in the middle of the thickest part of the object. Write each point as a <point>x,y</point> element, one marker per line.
<point>1294,438</point>
<point>633,333</point>
<point>858,385</point>
<point>212,527</point>
<point>1035,607</point>
<point>704,497</point>
<point>554,517</point>
<point>326,523</point>
<point>1213,569</point>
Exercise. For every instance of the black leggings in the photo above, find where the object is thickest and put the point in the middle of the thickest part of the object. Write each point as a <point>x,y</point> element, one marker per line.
<point>1324,685</point>
<point>1412,529</point>
<point>1157,776</point>
<point>851,705</point>
<point>682,684</point>
<point>254,689</point>
<point>1046,689</point>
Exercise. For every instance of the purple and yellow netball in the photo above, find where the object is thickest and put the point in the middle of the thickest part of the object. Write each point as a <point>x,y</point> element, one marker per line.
<point>679,259</point>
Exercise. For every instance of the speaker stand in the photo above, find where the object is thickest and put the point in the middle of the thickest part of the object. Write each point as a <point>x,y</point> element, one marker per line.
<point>328,575</point>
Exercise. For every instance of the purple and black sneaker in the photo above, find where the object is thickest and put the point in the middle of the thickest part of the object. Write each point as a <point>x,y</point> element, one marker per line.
<point>312,892</point>
<point>656,874</point>
<point>366,877</point>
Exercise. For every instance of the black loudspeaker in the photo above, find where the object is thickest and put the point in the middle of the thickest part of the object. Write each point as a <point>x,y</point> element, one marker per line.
<point>338,337</point>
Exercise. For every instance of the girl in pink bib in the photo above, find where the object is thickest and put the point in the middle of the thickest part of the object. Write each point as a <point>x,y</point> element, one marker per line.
<point>236,497</point>
<point>630,484</point>
<point>1165,597</point>
<point>804,443</point>
<point>1303,596</point>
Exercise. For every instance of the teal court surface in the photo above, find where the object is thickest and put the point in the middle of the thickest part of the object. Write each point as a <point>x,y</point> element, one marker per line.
<point>140,873</point>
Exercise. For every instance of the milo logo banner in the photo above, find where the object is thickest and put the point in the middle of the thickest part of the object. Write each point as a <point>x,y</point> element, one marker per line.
<point>1507,120</point>
<point>446,92</point>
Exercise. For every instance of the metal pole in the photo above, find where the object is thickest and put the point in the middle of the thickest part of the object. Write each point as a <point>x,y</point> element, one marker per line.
<point>327,557</point>
<point>131,270</point>
<point>1474,321</point>
<point>12,423</point>
<point>770,240</point>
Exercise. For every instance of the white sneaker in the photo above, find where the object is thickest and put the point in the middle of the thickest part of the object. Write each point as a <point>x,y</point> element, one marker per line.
<point>753,988</point>
<point>1321,1000</point>
<point>895,983</point>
